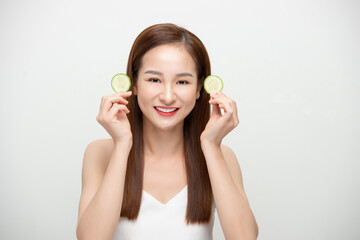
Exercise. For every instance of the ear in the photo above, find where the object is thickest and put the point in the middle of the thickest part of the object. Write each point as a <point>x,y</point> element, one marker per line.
<point>198,93</point>
<point>134,90</point>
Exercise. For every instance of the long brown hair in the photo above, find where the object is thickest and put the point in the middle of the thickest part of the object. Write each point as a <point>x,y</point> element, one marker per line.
<point>199,188</point>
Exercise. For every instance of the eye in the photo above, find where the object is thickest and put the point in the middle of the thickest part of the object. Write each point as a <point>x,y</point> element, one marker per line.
<point>182,82</point>
<point>155,80</point>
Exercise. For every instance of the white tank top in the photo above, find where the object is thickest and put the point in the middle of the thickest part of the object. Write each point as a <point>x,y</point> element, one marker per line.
<point>163,221</point>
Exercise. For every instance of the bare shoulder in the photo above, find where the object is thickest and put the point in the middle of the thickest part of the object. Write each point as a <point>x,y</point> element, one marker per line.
<point>101,145</point>
<point>233,165</point>
<point>96,159</point>
<point>98,152</point>
<point>228,152</point>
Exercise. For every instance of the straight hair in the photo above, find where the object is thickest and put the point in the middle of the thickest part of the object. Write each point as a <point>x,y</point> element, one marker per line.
<point>200,198</point>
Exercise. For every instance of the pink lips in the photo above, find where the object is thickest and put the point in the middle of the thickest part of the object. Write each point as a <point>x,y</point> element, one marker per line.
<point>166,113</point>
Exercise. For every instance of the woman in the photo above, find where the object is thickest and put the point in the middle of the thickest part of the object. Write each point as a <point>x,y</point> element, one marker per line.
<point>164,169</point>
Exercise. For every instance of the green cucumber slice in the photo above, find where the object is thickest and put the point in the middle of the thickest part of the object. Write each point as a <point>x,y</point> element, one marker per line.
<point>120,83</point>
<point>213,83</point>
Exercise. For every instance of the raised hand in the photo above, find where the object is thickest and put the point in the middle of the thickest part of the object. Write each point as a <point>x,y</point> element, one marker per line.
<point>112,116</point>
<point>220,125</point>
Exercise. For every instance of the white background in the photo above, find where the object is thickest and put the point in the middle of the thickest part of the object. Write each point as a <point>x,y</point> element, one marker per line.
<point>293,68</point>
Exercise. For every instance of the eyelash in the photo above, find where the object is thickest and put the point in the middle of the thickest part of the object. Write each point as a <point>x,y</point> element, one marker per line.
<point>155,80</point>
<point>185,82</point>
<point>151,79</point>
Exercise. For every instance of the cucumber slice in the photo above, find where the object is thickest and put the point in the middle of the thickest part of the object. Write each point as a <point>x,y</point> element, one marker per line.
<point>120,82</point>
<point>213,83</point>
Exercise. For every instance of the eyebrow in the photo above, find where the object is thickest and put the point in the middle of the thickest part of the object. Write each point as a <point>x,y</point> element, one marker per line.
<point>184,74</point>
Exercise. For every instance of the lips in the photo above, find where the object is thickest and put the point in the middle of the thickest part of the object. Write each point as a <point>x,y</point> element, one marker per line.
<point>166,111</point>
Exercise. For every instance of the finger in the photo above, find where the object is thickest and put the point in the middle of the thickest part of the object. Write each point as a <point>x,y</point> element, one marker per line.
<point>230,110</point>
<point>225,105</point>
<point>220,97</point>
<point>216,109</point>
<point>124,94</point>
<point>227,109</point>
<point>220,100</point>
<point>221,93</point>
<point>118,99</point>
<point>217,94</point>
<point>110,100</point>
<point>228,105</point>
<point>235,114</point>
<point>118,108</point>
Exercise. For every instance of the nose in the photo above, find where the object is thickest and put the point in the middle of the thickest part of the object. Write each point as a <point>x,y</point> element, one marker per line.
<point>167,95</point>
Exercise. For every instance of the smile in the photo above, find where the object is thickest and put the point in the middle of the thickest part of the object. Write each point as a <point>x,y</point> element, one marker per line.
<point>166,111</point>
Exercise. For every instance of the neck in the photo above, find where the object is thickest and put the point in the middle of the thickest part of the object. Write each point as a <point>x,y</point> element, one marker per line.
<point>163,145</point>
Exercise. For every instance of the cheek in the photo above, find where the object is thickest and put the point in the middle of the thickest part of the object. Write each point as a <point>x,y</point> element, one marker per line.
<point>143,97</point>
<point>189,97</point>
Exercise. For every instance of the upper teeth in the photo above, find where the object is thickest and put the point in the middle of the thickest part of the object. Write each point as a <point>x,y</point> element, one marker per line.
<point>165,109</point>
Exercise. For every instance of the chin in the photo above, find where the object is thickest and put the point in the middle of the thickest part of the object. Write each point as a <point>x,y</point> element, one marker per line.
<point>164,127</point>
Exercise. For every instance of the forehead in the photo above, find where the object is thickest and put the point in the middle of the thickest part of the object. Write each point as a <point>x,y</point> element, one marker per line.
<point>168,57</point>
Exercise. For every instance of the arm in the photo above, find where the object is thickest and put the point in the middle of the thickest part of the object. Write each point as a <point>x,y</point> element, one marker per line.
<point>102,190</point>
<point>236,218</point>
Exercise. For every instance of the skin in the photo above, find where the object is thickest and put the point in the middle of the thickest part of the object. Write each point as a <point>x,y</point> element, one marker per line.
<point>166,78</point>
<point>160,84</point>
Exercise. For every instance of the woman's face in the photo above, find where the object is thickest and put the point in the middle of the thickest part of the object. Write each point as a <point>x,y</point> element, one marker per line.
<point>167,86</point>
